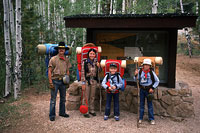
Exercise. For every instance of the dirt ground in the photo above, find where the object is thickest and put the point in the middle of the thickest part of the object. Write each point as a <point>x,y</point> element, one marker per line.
<point>188,70</point>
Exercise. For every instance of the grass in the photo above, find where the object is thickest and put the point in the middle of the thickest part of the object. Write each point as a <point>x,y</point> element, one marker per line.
<point>10,113</point>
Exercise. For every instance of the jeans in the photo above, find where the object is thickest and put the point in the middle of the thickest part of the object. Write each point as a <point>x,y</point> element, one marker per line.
<point>143,94</point>
<point>58,84</point>
<point>108,103</point>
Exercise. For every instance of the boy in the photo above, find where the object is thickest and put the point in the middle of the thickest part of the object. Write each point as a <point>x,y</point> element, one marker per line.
<point>148,81</point>
<point>112,82</point>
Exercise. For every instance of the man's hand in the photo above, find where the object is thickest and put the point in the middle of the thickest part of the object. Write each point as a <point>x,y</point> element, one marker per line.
<point>151,90</point>
<point>51,86</point>
<point>83,87</point>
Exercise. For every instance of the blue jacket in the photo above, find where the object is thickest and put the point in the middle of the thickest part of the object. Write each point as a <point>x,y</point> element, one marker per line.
<point>148,81</point>
<point>113,81</point>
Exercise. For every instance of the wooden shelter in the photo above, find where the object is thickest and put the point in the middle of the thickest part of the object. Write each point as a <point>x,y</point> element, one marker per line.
<point>126,36</point>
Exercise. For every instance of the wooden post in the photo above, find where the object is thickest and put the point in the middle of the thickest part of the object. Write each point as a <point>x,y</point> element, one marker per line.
<point>172,50</point>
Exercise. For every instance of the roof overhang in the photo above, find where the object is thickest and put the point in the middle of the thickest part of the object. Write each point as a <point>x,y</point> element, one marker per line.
<point>177,21</point>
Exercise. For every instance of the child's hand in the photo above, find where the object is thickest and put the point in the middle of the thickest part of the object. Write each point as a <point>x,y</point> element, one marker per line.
<point>151,90</point>
<point>136,72</point>
<point>110,88</point>
<point>113,87</point>
<point>98,65</point>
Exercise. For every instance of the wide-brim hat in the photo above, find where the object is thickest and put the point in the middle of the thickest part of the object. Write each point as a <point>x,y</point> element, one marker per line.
<point>147,62</point>
<point>61,45</point>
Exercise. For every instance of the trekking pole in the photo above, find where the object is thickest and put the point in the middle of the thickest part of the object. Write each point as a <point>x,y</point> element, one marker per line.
<point>138,97</point>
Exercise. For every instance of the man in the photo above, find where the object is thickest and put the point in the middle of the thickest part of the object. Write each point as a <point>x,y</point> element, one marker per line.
<point>58,67</point>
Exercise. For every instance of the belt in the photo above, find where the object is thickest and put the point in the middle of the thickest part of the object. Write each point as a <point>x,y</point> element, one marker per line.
<point>145,87</point>
<point>58,79</point>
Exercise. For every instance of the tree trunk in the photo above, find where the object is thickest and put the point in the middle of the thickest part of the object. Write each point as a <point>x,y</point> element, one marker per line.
<point>7,48</point>
<point>123,6</point>
<point>181,4</point>
<point>187,35</point>
<point>99,6</point>
<point>106,6</point>
<point>18,62</point>
<point>111,6</point>
<point>197,7</point>
<point>12,27</point>
<point>155,6</point>
<point>48,14</point>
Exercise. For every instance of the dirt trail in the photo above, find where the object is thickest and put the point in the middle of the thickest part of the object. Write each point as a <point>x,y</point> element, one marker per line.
<point>187,70</point>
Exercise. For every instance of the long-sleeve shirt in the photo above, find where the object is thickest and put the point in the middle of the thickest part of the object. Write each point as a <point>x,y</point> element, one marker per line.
<point>113,79</point>
<point>92,70</point>
<point>147,81</point>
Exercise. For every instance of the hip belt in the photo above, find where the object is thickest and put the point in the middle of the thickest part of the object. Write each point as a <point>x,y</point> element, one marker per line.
<point>146,87</point>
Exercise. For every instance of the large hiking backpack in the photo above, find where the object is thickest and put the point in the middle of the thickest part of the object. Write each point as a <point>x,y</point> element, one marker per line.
<point>121,65</point>
<point>49,50</point>
<point>82,53</point>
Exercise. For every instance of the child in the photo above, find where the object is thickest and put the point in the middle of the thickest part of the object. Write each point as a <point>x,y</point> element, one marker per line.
<point>112,82</point>
<point>148,81</point>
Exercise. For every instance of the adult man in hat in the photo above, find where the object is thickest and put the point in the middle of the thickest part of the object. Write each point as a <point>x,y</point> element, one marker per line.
<point>148,81</point>
<point>58,67</point>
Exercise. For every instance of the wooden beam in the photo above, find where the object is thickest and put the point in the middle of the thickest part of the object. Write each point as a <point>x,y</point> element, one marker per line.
<point>176,22</point>
<point>172,50</point>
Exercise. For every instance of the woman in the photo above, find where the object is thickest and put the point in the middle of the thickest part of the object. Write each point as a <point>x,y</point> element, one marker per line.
<point>89,77</point>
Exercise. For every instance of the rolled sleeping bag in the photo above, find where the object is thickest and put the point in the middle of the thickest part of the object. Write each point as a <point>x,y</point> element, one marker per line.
<point>50,49</point>
<point>156,60</point>
<point>79,49</point>
<point>103,63</point>
<point>159,60</point>
<point>123,64</point>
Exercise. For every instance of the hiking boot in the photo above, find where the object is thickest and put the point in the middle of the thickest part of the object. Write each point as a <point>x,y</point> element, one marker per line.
<point>105,117</point>
<point>65,115</point>
<point>86,115</point>
<point>93,114</point>
<point>52,119</point>
<point>116,118</point>
<point>152,122</point>
<point>140,121</point>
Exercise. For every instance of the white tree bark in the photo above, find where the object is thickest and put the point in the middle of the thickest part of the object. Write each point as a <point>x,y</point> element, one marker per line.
<point>7,48</point>
<point>123,6</point>
<point>111,6</point>
<point>197,7</point>
<point>12,27</point>
<point>181,4</point>
<point>18,62</point>
<point>49,14</point>
<point>155,6</point>
<point>99,6</point>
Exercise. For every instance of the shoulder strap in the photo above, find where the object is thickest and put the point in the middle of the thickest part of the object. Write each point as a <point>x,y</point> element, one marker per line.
<point>140,72</point>
<point>118,77</point>
<point>108,75</point>
<point>152,76</point>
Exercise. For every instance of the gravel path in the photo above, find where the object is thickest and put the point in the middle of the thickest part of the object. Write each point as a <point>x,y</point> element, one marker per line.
<point>38,121</point>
